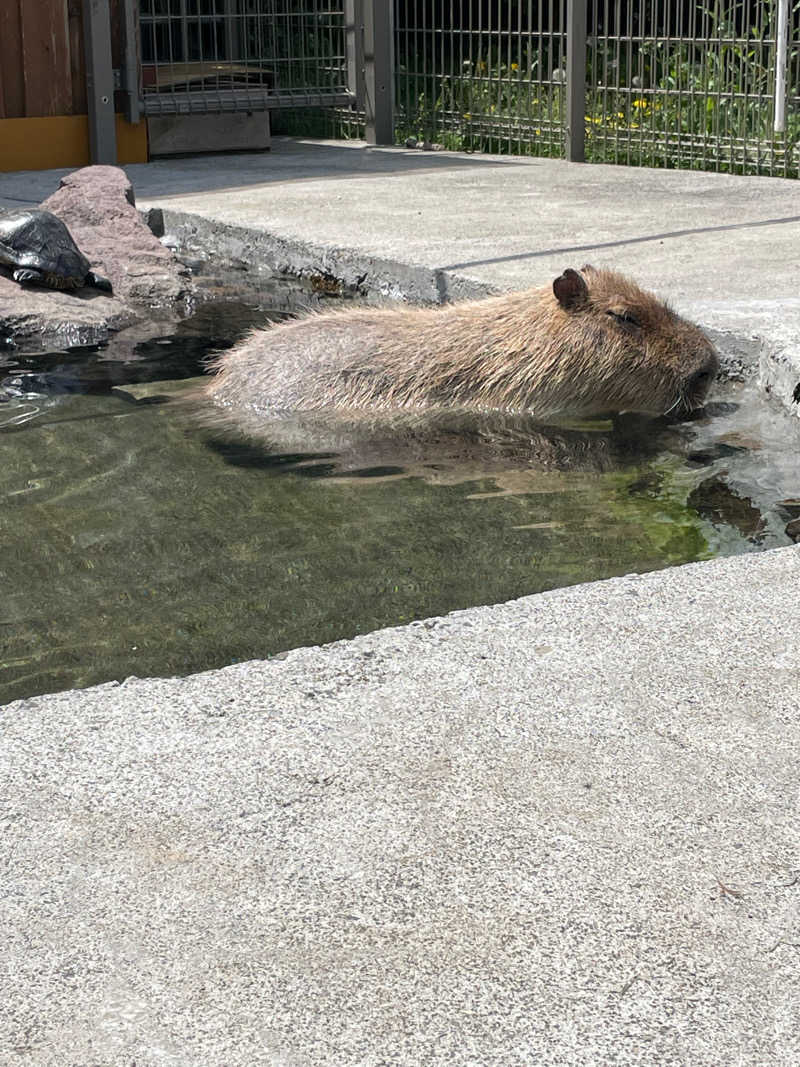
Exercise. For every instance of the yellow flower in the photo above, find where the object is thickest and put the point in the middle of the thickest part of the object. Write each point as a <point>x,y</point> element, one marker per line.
<point>641,103</point>
<point>481,65</point>
<point>515,66</point>
<point>467,115</point>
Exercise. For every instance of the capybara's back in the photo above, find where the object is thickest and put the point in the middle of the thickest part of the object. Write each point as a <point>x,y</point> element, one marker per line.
<point>592,342</point>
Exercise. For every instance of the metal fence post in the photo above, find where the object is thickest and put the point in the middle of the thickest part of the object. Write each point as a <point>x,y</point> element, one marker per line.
<point>379,71</point>
<point>576,81</point>
<point>781,52</point>
<point>354,48</point>
<point>129,78</point>
<point>99,81</point>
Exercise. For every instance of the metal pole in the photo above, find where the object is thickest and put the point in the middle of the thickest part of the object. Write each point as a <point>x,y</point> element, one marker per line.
<point>780,65</point>
<point>99,81</point>
<point>576,81</point>
<point>130,61</point>
<point>379,70</point>
<point>354,37</point>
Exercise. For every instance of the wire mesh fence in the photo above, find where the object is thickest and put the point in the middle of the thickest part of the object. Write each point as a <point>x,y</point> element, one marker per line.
<point>668,82</point>
<point>242,55</point>
<point>680,84</point>
<point>481,76</point>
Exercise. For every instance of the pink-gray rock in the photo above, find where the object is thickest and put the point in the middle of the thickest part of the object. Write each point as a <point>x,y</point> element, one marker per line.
<point>55,319</point>
<point>98,206</point>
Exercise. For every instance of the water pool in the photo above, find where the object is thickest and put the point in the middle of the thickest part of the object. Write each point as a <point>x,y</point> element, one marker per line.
<point>136,543</point>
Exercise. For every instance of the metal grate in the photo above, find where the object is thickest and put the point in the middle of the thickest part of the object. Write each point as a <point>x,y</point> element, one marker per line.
<point>668,82</point>
<point>481,76</point>
<point>242,55</point>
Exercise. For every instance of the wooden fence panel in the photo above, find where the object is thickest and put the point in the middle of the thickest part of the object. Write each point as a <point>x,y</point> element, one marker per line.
<point>77,59</point>
<point>45,58</point>
<point>12,86</point>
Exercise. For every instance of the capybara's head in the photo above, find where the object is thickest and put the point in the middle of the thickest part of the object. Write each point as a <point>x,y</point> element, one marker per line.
<point>654,360</point>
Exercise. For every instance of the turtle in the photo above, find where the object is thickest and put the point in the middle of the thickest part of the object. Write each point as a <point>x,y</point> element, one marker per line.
<point>40,250</point>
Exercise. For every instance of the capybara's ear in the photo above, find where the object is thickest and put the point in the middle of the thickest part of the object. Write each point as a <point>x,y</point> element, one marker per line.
<point>570,289</point>
<point>587,267</point>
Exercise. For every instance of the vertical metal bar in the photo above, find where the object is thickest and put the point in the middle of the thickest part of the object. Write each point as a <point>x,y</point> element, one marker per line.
<point>354,34</point>
<point>130,61</point>
<point>576,80</point>
<point>780,66</point>
<point>379,70</point>
<point>99,81</point>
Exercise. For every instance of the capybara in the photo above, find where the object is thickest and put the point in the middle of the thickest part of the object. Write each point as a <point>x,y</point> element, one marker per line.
<point>591,342</point>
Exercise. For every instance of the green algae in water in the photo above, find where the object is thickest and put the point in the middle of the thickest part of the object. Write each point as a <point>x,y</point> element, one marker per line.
<point>132,548</point>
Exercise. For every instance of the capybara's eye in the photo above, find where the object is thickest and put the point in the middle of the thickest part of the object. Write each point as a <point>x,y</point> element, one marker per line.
<point>624,317</point>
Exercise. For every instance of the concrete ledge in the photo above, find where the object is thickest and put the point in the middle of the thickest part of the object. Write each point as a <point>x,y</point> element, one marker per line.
<point>764,336</point>
<point>259,250</point>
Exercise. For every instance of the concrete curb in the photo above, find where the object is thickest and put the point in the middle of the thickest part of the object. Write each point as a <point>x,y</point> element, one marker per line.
<point>268,252</point>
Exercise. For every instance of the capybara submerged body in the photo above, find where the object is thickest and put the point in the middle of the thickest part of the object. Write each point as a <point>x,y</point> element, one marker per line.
<point>592,342</point>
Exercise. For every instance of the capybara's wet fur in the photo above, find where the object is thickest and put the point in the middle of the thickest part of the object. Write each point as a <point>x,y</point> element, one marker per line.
<point>591,342</point>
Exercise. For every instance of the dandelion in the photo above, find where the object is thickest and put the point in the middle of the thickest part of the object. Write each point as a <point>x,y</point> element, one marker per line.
<point>641,103</point>
<point>467,115</point>
<point>515,66</point>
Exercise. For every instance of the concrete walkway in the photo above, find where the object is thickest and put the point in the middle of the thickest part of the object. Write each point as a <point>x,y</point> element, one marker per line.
<point>562,830</point>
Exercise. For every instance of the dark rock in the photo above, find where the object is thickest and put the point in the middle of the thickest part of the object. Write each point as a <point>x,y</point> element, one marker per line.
<point>155,221</point>
<point>718,502</point>
<point>793,530</point>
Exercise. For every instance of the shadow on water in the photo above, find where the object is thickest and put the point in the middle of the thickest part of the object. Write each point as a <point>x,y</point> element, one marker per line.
<point>137,543</point>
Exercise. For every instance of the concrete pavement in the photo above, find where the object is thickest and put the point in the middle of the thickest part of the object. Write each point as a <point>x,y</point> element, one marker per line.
<point>562,830</point>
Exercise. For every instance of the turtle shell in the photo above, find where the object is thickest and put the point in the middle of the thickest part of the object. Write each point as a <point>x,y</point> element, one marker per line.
<point>39,239</point>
